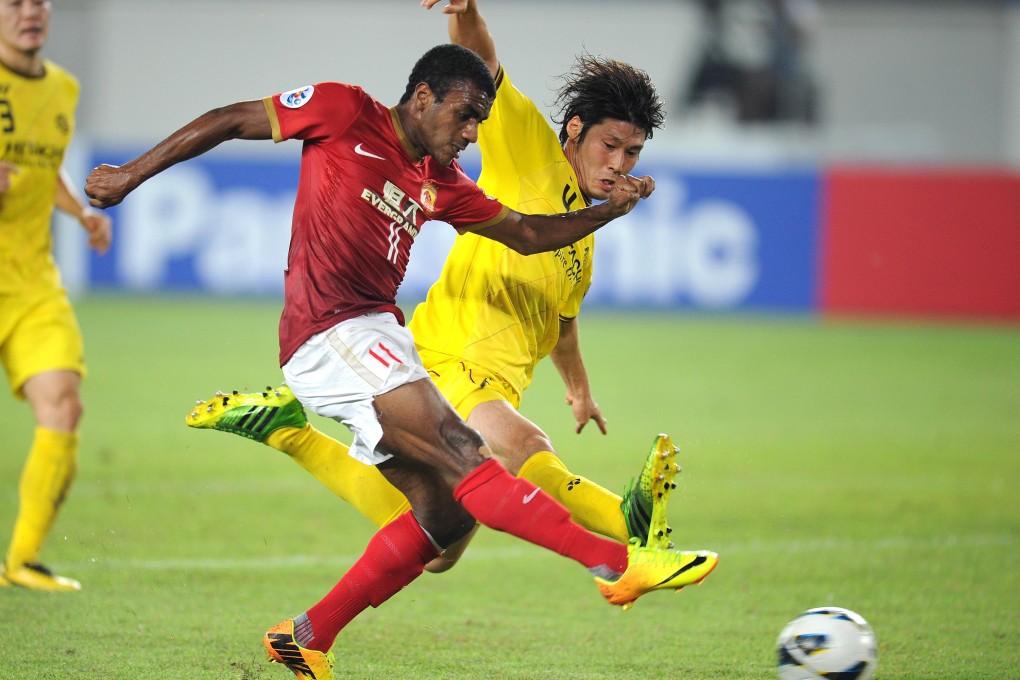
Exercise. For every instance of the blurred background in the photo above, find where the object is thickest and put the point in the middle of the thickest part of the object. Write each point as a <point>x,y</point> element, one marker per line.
<point>835,156</point>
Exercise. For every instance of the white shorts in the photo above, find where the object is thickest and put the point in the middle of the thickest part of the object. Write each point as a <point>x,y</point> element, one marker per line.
<point>337,374</point>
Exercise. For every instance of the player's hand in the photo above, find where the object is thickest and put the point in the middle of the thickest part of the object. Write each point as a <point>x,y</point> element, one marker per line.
<point>585,409</point>
<point>627,191</point>
<point>454,6</point>
<point>100,229</point>
<point>6,170</point>
<point>108,185</point>
<point>646,185</point>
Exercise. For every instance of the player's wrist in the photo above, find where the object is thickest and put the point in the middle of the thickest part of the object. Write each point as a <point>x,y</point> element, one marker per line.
<point>603,212</point>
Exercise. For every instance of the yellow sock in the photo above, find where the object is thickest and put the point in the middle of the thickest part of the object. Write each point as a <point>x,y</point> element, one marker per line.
<point>363,486</point>
<point>593,507</point>
<point>48,473</point>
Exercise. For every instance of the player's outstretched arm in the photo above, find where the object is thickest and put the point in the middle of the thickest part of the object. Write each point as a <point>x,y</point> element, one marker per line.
<point>566,356</point>
<point>108,185</point>
<point>468,28</point>
<point>530,234</point>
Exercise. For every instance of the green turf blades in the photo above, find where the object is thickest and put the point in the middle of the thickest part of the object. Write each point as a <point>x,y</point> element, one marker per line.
<point>823,463</point>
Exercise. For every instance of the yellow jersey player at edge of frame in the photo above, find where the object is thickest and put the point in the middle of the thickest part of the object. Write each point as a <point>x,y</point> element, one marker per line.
<point>42,348</point>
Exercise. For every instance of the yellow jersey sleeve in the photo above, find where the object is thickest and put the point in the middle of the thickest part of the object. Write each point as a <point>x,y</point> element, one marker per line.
<point>492,306</point>
<point>36,125</point>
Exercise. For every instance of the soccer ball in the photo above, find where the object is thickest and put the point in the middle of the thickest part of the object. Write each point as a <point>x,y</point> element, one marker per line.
<point>827,642</point>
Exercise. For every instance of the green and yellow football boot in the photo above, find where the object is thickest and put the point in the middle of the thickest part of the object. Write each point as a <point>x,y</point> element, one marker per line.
<point>644,501</point>
<point>254,415</point>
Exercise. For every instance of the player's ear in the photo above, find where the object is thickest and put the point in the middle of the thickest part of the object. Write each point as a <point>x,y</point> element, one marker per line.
<point>423,96</point>
<point>575,126</point>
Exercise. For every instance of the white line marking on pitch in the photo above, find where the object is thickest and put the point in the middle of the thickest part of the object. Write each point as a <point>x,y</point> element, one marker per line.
<point>525,551</point>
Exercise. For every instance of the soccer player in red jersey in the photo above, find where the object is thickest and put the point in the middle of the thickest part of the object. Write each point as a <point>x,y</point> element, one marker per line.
<point>371,176</point>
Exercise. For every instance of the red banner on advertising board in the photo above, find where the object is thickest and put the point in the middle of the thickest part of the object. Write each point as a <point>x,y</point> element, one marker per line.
<point>928,242</point>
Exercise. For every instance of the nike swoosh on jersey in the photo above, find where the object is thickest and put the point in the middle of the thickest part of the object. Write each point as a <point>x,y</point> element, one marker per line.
<point>527,499</point>
<point>361,152</point>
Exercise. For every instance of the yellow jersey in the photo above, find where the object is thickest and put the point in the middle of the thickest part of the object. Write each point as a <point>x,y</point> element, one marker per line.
<point>492,306</point>
<point>36,126</point>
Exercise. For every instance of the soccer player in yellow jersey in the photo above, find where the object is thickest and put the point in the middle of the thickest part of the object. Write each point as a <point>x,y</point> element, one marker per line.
<point>494,314</point>
<point>40,342</point>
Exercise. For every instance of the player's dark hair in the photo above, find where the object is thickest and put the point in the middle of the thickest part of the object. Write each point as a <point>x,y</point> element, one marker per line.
<point>446,66</point>
<point>598,88</point>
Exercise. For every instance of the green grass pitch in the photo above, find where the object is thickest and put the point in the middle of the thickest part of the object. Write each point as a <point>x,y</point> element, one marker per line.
<point>870,465</point>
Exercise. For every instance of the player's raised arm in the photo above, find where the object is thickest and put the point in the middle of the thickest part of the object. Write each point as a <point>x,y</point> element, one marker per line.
<point>108,185</point>
<point>530,234</point>
<point>468,28</point>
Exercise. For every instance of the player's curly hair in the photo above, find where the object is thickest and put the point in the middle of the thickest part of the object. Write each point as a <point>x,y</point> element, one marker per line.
<point>599,88</point>
<point>445,66</point>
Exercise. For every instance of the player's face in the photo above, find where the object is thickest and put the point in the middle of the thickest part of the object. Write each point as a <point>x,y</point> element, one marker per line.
<point>24,25</point>
<point>608,149</point>
<point>450,125</point>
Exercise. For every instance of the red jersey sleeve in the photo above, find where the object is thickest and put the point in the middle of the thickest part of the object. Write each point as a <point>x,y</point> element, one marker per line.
<point>462,203</point>
<point>314,112</point>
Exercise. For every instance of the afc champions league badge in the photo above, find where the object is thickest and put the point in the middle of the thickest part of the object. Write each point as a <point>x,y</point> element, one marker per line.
<point>429,190</point>
<point>295,99</point>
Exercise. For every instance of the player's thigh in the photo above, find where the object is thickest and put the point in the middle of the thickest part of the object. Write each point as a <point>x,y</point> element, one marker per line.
<point>489,404</point>
<point>338,374</point>
<point>512,437</point>
<point>39,333</point>
<point>421,428</point>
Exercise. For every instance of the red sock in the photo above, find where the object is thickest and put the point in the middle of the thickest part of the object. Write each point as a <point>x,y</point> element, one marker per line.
<point>514,505</point>
<point>395,556</point>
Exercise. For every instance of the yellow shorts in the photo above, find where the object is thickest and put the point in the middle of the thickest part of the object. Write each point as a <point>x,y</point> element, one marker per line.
<point>38,332</point>
<point>465,384</point>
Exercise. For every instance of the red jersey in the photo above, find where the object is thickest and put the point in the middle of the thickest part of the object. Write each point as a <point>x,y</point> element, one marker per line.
<point>363,195</point>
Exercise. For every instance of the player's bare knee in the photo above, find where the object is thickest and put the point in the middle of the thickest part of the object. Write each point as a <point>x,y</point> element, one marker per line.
<point>446,526</point>
<point>70,410</point>
<point>442,564</point>
<point>451,555</point>
<point>60,410</point>
<point>529,446</point>
<point>538,441</point>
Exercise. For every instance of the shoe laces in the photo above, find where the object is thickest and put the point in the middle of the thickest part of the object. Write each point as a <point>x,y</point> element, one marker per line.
<point>661,556</point>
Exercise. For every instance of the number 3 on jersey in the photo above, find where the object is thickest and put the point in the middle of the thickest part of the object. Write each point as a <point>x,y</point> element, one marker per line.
<point>6,116</point>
